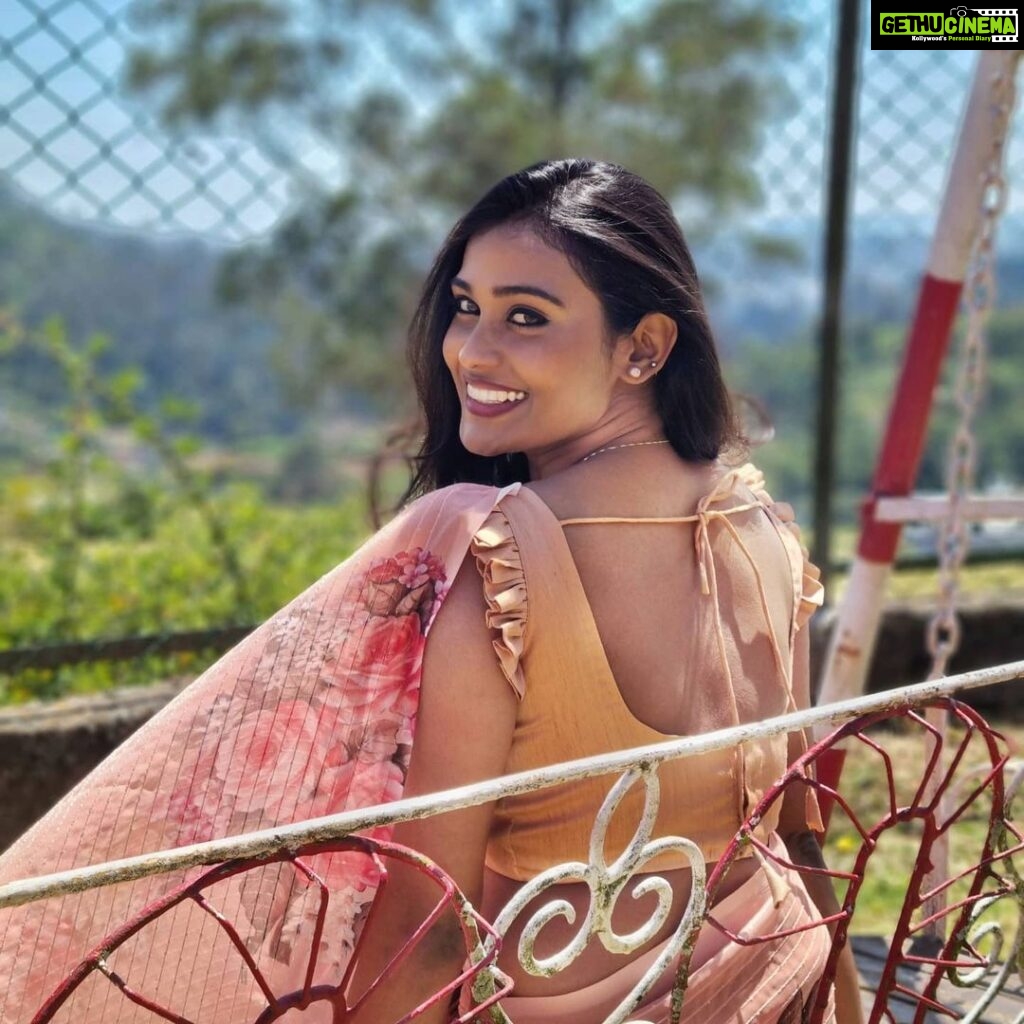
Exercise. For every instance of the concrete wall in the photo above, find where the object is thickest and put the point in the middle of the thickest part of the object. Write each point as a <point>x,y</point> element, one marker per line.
<point>992,635</point>
<point>46,749</point>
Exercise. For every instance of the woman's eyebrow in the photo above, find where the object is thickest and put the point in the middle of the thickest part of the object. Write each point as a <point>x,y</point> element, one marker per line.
<point>514,289</point>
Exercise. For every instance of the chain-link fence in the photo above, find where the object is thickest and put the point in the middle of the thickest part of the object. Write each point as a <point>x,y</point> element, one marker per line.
<point>77,143</point>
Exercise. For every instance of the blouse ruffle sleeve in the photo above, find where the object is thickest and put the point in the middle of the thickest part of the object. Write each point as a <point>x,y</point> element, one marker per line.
<point>810,593</point>
<point>498,560</point>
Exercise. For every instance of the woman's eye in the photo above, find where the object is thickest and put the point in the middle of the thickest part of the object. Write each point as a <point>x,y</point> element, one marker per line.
<point>528,318</point>
<point>521,317</point>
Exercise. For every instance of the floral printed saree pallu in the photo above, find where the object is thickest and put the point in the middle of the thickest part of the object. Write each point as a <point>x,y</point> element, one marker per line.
<point>312,714</point>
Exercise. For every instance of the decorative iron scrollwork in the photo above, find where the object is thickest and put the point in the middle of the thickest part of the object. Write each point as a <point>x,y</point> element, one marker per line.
<point>606,883</point>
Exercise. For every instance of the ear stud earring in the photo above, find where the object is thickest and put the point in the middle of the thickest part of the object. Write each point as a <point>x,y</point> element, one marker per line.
<point>635,371</point>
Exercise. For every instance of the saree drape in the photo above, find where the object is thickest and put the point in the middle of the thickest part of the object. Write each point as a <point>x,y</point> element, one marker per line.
<point>312,714</point>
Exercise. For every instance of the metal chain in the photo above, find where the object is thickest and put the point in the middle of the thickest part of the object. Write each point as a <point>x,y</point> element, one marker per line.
<point>943,635</point>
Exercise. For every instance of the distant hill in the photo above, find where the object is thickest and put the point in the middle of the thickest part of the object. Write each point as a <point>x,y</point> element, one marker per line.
<point>155,299</point>
<point>755,300</point>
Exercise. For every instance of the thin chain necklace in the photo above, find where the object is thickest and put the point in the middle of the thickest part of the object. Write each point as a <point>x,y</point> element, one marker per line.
<point>612,447</point>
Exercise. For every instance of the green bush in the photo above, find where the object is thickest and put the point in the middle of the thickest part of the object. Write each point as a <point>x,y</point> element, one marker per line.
<point>171,580</point>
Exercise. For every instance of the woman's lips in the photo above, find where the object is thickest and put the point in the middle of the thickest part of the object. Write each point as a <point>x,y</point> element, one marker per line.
<point>485,398</point>
<point>490,409</point>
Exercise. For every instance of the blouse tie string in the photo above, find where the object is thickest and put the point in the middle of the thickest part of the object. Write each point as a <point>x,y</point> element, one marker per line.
<point>702,549</point>
<point>701,535</point>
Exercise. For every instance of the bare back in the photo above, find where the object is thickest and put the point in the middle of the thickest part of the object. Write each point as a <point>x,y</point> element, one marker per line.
<point>641,581</point>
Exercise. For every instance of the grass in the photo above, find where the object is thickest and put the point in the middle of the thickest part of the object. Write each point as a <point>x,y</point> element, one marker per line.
<point>999,581</point>
<point>889,868</point>
<point>993,582</point>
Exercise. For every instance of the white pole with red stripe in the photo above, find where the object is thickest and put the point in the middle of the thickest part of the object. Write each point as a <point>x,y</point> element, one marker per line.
<point>853,639</point>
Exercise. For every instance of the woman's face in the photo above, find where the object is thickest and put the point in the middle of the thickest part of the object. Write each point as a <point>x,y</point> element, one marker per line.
<point>527,351</point>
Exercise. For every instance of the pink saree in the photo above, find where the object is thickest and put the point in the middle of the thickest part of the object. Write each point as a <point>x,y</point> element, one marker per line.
<point>312,714</point>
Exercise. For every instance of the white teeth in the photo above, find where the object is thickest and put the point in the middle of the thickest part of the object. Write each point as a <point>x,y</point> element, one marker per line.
<point>493,397</point>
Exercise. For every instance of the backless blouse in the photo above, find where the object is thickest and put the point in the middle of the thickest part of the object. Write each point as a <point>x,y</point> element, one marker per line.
<point>757,589</point>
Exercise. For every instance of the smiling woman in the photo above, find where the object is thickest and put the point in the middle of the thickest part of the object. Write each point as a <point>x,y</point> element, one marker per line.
<point>562,352</point>
<point>585,568</point>
<point>570,258</point>
<point>548,369</point>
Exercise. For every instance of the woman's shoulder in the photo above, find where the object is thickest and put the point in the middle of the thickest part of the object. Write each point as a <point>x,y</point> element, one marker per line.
<point>808,589</point>
<point>667,487</point>
<point>441,523</point>
<point>452,499</point>
<point>494,595</point>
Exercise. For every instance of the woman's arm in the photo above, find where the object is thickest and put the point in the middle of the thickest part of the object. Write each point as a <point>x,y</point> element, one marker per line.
<point>464,729</point>
<point>805,850</point>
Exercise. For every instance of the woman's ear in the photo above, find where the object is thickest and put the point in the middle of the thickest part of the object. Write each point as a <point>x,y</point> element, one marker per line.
<point>645,349</point>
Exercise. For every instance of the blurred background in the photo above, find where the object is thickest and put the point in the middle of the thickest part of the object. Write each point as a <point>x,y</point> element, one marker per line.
<point>214,215</point>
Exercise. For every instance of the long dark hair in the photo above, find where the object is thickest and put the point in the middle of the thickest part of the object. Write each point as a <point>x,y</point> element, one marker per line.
<point>622,238</point>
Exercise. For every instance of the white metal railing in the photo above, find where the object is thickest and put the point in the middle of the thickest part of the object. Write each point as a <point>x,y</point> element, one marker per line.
<point>336,826</point>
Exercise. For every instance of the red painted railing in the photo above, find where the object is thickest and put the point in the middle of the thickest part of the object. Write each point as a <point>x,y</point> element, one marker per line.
<point>913,977</point>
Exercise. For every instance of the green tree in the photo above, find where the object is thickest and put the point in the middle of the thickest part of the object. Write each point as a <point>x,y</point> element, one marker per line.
<point>674,89</point>
<point>97,402</point>
<point>778,375</point>
<point>156,300</point>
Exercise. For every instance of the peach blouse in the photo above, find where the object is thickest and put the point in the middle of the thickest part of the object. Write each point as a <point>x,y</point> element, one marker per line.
<point>757,589</point>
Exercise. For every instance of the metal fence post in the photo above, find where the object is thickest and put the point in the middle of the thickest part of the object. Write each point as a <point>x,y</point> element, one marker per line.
<point>841,146</point>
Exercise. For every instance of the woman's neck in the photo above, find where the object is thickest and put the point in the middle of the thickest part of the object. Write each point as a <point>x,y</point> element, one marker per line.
<point>632,433</point>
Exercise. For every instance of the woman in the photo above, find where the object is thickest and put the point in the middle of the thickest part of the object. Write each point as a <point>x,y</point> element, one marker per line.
<point>590,576</point>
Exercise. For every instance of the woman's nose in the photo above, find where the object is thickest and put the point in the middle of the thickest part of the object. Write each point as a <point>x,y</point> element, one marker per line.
<point>479,347</point>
